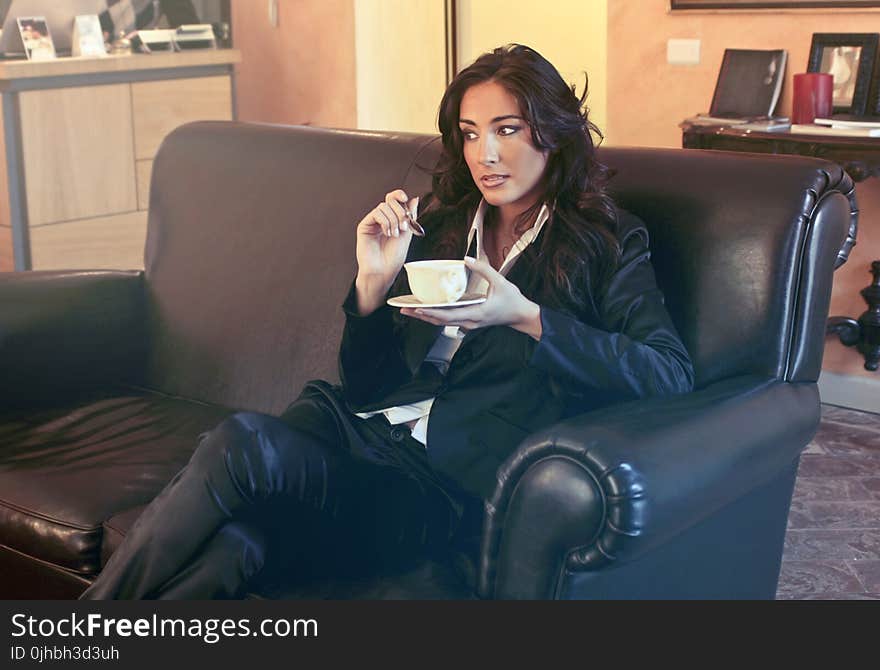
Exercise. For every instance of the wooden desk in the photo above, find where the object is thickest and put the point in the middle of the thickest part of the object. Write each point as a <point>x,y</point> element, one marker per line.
<point>79,137</point>
<point>860,157</point>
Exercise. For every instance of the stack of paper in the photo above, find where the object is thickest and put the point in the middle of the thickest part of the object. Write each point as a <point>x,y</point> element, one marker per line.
<point>836,130</point>
<point>848,123</point>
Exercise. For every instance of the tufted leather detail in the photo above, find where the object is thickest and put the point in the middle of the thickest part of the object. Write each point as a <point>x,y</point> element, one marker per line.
<point>570,498</point>
<point>842,183</point>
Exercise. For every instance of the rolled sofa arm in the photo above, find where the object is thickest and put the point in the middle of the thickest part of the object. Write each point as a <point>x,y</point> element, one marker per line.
<point>68,331</point>
<point>608,486</point>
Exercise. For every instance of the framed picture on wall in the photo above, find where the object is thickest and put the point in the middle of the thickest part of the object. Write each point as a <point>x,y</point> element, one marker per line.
<point>677,5</point>
<point>850,58</point>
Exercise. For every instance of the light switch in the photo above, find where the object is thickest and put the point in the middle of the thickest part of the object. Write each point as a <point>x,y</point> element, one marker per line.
<point>683,52</point>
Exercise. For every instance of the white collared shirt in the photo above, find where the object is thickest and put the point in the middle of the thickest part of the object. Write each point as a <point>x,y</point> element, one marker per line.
<point>450,338</point>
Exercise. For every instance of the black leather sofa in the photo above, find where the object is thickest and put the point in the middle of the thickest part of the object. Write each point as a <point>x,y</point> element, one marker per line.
<point>108,377</point>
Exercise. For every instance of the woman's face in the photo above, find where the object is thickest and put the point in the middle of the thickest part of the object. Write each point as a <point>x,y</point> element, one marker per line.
<point>504,163</point>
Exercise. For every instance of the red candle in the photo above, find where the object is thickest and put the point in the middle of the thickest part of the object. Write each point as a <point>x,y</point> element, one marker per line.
<point>811,98</point>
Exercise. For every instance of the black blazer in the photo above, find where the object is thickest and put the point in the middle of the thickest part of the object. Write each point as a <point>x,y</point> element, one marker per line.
<point>501,384</point>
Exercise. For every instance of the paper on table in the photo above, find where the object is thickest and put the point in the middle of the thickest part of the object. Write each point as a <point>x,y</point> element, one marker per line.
<point>810,129</point>
<point>844,123</point>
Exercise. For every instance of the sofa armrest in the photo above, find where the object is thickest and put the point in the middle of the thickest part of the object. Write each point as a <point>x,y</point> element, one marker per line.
<point>608,486</point>
<point>68,331</point>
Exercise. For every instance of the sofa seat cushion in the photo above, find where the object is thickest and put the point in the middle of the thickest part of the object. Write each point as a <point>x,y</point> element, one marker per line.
<point>65,471</point>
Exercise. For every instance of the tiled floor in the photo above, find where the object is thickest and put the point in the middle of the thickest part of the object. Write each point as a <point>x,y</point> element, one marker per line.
<point>832,545</point>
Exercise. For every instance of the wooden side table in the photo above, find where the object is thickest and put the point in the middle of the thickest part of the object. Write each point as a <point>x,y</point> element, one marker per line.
<point>860,157</point>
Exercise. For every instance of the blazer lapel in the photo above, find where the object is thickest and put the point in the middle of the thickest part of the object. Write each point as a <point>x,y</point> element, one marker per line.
<point>520,273</point>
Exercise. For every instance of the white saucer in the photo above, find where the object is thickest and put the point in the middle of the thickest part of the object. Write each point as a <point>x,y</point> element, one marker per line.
<point>412,301</point>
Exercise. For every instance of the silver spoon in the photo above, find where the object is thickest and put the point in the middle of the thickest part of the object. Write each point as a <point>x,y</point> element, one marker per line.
<point>415,226</point>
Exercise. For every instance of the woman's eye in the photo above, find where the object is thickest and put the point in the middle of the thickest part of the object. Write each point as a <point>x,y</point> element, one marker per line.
<point>468,135</point>
<point>507,130</point>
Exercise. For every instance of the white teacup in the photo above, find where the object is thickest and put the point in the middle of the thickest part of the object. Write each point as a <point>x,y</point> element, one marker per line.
<point>437,281</point>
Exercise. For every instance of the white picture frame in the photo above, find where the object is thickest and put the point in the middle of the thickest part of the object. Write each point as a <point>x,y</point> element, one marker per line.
<point>88,38</point>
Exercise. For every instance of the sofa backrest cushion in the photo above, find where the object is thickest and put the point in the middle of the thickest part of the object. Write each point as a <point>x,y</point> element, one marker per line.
<point>251,249</point>
<point>744,247</point>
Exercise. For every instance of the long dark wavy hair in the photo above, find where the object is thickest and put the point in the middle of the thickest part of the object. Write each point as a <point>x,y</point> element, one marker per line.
<point>578,243</point>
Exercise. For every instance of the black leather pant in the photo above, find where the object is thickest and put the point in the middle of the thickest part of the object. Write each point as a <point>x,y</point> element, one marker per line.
<point>317,491</point>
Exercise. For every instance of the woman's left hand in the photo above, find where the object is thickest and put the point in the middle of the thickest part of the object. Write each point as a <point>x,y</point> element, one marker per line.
<point>505,305</point>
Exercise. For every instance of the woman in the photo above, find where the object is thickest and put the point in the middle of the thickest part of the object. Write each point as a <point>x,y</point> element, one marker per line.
<point>395,462</point>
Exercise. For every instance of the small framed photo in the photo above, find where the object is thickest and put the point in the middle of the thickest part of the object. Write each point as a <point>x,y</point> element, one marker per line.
<point>87,40</point>
<point>850,58</point>
<point>36,38</point>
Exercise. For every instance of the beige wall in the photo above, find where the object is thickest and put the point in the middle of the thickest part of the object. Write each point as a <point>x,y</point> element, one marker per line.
<point>647,99</point>
<point>303,71</point>
<point>407,37</point>
<point>571,34</point>
<point>328,61</point>
<point>400,48</point>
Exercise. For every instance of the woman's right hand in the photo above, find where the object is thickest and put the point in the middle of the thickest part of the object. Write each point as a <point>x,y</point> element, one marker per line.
<point>383,238</point>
